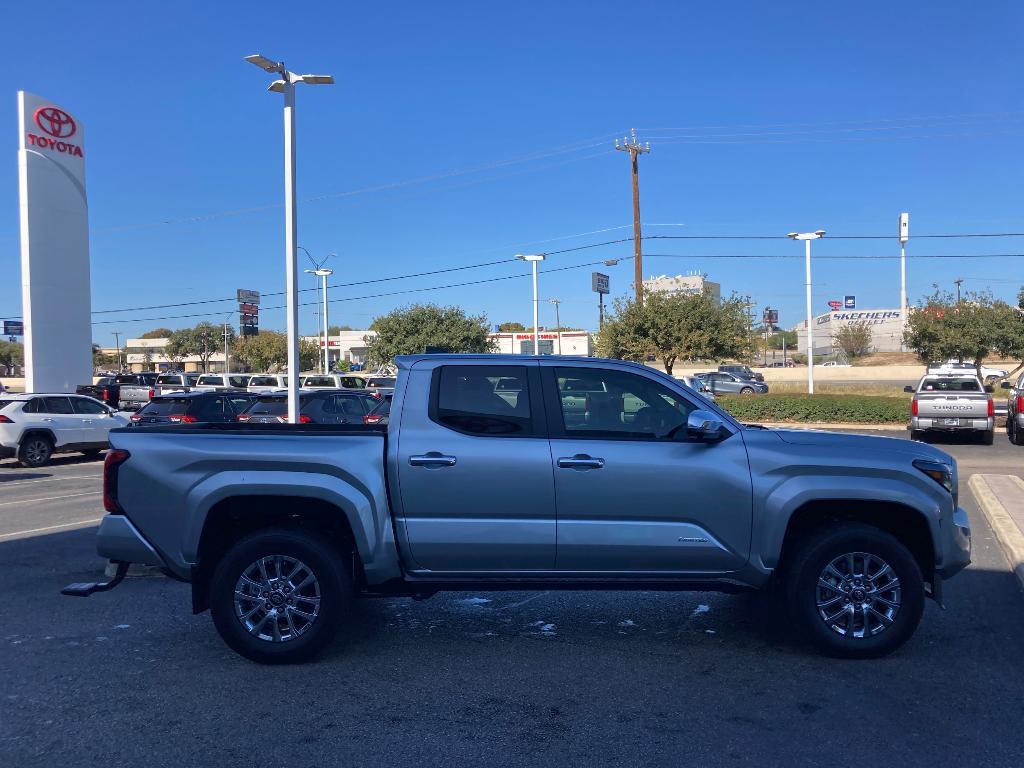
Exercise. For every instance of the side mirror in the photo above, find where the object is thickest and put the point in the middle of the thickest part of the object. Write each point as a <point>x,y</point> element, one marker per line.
<point>909,389</point>
<point>704,425</point>
<point>989,388</point>
<point>1006,385</point>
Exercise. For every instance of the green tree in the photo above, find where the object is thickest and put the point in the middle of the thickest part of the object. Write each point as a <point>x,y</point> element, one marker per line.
<point>267,351</point>
<point>179,346</point>
<point>511,328</point>
<point>334,330</point>
<point>676,327</point>
<point>969,330</point>
<point>157,333</point>
<point>854,339</point>
<point>310,355</point>
<point>411,330</point>
<point>775,340</point>
<point>12,353</point>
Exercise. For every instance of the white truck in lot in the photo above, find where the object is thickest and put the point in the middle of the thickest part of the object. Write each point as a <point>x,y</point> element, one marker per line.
<point>952,402</point>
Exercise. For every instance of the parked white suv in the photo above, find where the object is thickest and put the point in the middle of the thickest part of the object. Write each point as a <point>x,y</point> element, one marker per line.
<point>34,426</point>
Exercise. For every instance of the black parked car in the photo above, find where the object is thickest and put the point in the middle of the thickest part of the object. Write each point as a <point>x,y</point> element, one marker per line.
<point>320,406</point>
<point>382,413</point>
<point>193,407</point>
<point>743,371</point>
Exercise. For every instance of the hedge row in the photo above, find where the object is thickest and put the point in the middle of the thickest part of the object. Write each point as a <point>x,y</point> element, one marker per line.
<point>852,409</point>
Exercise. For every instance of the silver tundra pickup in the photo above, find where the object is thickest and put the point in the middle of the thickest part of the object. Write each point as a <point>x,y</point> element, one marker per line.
<point>494,473</point>
<point>952,403</point>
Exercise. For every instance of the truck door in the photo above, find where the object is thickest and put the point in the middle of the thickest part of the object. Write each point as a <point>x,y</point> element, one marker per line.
<point>635,493</point>
<point>474,469</point>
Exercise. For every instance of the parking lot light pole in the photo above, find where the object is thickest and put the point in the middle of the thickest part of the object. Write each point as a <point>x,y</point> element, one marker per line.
<point>807,237</point>
<point>323,273</point>
<point>534,259</point>
<point>285,84</point>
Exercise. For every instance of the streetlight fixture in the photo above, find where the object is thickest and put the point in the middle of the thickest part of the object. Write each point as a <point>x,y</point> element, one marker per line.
<point>285,84</point>
<point>534,259</point>
<point>323,273</point>
<point>807,237</point>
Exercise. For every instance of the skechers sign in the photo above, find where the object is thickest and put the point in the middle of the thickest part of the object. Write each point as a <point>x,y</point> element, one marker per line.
<point>860,318</point>
<point>59,125</point>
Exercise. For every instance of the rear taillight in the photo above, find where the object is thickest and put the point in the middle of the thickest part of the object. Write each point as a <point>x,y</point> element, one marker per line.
<point>304,419</point>
<point>243,417</point>
<point>991,407</point>
<point>913,407</point>
<point>183,419</point>
<point>375,394</point>
<point>105,394</point>
<point>136,417</point>
<point>1020,403</point>
<point>115,458</point>
<point>371,419</point>
<point>5,420</point>
<point>151,393</point>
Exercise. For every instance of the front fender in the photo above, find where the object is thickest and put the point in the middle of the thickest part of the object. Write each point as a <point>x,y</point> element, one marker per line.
<point>782,501</point>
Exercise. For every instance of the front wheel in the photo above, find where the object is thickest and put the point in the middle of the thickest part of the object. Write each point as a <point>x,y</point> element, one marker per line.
<point>746,391</point>
<point>856,591</point>
<point>278,596</point>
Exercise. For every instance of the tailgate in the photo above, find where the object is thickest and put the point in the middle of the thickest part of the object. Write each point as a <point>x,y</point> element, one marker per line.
<point>952,406</point>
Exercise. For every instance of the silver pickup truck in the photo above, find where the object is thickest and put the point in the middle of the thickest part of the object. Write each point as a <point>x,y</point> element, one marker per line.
<point>485,478</point>
<point>952,402</point>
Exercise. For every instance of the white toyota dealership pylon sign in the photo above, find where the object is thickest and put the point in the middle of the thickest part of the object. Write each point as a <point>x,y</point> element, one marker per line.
<point>55,293</point>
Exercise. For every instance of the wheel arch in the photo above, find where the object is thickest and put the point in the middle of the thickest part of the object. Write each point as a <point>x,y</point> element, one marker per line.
<point>33,431</point>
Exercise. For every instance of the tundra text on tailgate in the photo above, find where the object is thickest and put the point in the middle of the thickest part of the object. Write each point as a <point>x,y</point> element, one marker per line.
<point>518,472</point>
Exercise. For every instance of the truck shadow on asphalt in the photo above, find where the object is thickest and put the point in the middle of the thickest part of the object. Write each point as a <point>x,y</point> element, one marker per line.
<point>59,460</point>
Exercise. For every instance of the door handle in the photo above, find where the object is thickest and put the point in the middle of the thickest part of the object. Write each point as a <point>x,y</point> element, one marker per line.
<point>46,419</point>
<point>432,459</point>
<point>87,421</point>
<point>580,461</point>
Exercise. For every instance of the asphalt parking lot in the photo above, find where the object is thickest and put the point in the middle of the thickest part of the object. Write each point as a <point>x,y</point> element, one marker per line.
<point>498,679</point>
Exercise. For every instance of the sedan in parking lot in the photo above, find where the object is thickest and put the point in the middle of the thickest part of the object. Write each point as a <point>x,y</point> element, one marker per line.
<point>722,383</point>
<point>325,406</point>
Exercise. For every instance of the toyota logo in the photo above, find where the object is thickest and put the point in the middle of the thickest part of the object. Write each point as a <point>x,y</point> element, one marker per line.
<point>55,122</point>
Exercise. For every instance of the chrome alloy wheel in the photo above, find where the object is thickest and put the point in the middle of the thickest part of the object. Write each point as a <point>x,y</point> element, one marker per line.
<point>37,450</point>
<point>858,595</point>
<point>277,598</point>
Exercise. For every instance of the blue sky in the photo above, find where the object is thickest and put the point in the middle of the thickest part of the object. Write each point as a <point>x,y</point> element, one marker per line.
<point>463,133</point>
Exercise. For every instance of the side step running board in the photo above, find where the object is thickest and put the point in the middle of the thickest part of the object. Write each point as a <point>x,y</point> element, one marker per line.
<point>86,588</point>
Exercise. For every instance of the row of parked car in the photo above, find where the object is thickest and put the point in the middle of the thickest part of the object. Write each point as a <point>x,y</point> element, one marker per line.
<point>33,427</point>
<point>131,391</point>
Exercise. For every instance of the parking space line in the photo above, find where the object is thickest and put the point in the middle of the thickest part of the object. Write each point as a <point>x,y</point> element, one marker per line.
<point>50,480</point>
<point>50,498</point>
<point>48,528</point>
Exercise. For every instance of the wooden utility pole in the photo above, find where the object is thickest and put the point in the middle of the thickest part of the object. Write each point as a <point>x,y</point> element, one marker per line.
<point>958,281</point>
<point>558,322</point>
<point>634,148</point>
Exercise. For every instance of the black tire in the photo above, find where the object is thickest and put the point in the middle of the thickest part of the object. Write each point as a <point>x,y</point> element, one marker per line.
<point>35,451</point>
<point>988,438</point>
<point>746,391</point>
<point>327,564</point>
<point>1015,435</point>
<point>802,590</point>
<point>918,435</point>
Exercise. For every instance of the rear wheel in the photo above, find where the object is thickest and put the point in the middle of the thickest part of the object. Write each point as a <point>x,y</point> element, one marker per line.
<point>917,434</point>
<point>278,596</point>
<point>856,591</point>
<point>746,391</point>
<point>1015,434</point>
<point>988,438</point>
<point>35,451</point>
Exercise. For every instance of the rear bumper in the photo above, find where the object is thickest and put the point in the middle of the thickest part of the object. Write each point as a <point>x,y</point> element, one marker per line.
<point>118,539</point>
<point>964,424</point>
<point>957,550</point>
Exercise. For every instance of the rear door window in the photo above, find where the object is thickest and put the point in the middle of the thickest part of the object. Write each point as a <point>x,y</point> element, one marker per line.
<point>263,381</point>
<point>319,381</point>
<point>215,381</point>
<point>270,406</point>
<point>57,405</point>
<point>465,399</point>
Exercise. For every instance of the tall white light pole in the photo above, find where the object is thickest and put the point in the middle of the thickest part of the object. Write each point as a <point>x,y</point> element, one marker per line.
<point>904,236</point>
<point>534,259</point>
<point>286,85</point>
<point>323,273</point>
<point>807,237</point>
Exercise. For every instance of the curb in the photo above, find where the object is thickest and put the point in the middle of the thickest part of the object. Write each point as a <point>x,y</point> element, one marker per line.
<point>1009,536</point>
<point>833,425</point>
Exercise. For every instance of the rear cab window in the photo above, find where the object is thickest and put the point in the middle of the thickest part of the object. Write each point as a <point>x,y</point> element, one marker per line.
<point>951,384</point>
<point>166,406</point>
<point>215,381</point>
